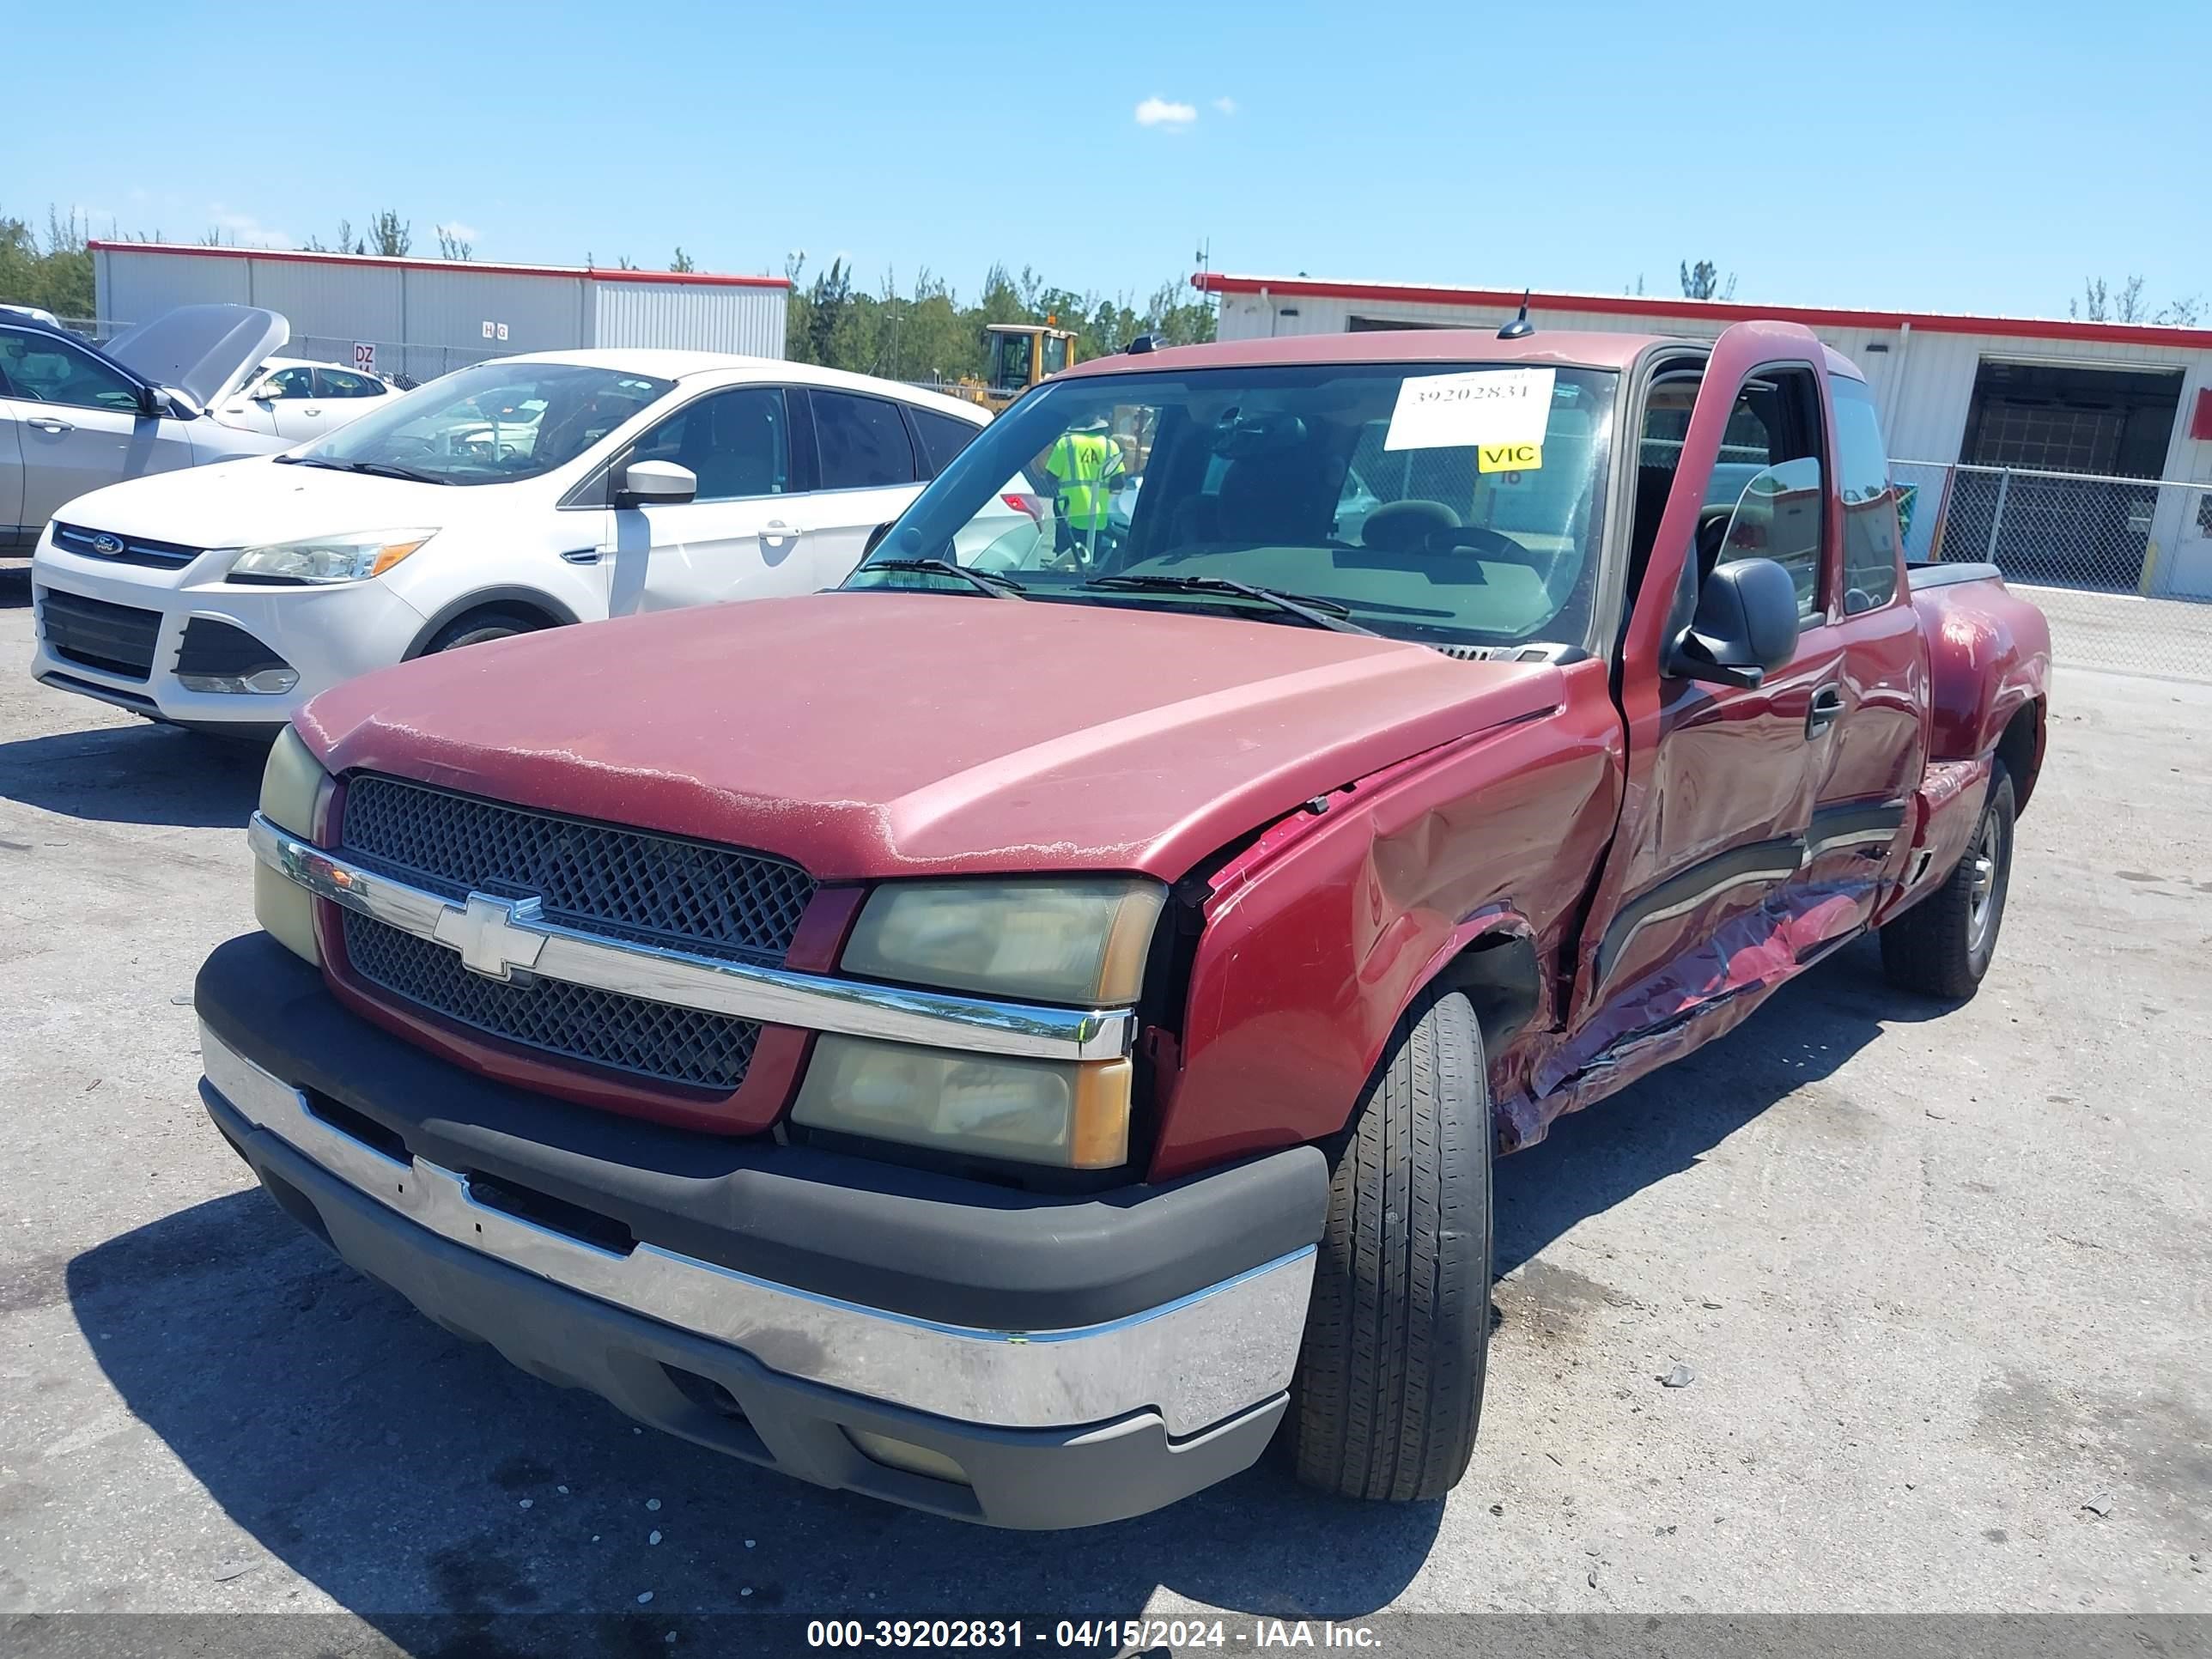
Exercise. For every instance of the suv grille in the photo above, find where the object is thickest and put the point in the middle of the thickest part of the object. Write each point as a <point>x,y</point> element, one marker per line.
<point>621,883</point>
<point>116,639</point>
<point>129,549</point>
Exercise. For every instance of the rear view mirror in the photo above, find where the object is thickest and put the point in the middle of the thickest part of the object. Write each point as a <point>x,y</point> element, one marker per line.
<point>1745,628</point>
<point>656,483</point>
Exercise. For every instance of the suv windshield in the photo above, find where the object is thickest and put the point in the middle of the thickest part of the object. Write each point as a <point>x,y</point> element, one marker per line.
<point>1452,504</point>
<point>490,422</point>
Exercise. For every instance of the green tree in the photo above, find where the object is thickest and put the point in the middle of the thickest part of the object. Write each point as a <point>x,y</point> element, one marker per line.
<point>389,236</point>
<point>682,261</point>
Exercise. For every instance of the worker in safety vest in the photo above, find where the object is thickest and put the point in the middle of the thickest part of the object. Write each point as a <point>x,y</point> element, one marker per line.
<point>1086,463</point>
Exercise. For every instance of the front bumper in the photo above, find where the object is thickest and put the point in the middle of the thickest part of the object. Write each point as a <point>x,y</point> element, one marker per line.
<point>1075,1360</point>
<point>328,635</point>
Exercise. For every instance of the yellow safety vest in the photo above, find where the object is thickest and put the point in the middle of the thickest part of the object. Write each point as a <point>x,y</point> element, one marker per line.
<point>1085,463</point>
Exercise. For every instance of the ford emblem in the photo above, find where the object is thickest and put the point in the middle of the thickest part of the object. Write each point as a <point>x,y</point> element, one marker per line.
<point>106,546</point>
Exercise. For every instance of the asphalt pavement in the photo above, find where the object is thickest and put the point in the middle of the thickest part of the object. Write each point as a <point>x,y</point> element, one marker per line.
<point>1942,1278</point>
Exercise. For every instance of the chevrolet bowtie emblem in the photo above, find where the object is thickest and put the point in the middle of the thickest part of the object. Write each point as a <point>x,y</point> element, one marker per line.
<point>495,936</point>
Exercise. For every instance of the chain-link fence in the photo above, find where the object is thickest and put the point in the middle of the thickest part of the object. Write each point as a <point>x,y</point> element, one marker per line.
<point>2122,567</point>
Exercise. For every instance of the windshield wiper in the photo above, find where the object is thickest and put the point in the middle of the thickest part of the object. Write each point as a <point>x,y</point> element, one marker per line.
<point>373,469</point>
<point>1322,613</point>
<point>984,581</point>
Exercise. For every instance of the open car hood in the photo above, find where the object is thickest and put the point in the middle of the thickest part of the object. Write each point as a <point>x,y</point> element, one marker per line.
<point>876,734</point>
<point>204,351</point>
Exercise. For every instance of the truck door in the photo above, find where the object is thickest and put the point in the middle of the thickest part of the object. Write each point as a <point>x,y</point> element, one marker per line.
<point>1866,724</point>
<point>1723,780</point>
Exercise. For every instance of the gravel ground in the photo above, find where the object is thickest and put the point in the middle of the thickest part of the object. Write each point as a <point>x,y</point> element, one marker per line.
<point>1943,1279</point>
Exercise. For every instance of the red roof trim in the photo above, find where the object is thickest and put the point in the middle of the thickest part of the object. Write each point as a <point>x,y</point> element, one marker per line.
<point>1633,305</point>
<point>300,256</point>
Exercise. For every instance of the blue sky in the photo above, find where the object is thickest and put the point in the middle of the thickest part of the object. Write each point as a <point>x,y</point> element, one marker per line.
<point>1973,158</point>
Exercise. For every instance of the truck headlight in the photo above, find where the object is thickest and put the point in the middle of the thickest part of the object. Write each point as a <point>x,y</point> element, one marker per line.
<point>1032,1111</point>
<point>1081,941</point>
<point>350,557</point>
<point>292,786</point>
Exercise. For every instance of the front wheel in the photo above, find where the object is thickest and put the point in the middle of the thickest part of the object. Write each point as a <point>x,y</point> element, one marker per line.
<point>1943,944</point>
<point>478,627</point>
<point>1389,1388</point>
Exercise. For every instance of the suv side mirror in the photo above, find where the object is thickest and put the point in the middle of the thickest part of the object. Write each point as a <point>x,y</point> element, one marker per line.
<point>1746,626</point>
<point>656,483</point>
<point>153,401</point>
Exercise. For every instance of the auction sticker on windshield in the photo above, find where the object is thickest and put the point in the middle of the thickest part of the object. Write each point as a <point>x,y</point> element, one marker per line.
<point>1458,411</point>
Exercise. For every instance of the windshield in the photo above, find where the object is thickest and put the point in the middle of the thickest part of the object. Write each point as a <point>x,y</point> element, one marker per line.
<point>1452,504</point>
<point>492,422</point>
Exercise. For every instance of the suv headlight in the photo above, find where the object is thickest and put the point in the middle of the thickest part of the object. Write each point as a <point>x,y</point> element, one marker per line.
<point>1080,942</point>
<point>351,558</point>
<point>292,790</point>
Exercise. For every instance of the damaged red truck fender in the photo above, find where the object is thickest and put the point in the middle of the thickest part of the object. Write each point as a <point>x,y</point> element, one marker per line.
<point>1019,1034</point>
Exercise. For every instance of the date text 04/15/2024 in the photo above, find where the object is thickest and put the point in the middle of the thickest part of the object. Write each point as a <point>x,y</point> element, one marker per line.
<point>1085,1635</point>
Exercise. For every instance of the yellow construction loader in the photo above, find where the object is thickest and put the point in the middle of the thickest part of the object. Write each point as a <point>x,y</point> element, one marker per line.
<point>1016,355</point>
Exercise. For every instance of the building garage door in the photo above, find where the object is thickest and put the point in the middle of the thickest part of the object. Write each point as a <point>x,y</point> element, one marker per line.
<point>2032,419</point>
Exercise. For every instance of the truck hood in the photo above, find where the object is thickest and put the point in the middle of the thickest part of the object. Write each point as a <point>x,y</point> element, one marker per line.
<point>204,352</point>
<point>244,503</point>
<point>875,734</point>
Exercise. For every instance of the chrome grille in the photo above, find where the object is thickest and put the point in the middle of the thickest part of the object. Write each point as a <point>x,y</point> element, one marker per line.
<point>653,1039</point>
<point>123,549</point>
<point>624,884</point>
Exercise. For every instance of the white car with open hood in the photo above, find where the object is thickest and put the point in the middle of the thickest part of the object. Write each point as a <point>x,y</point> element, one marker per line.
<point>510,496</point>
<point>74,416</point>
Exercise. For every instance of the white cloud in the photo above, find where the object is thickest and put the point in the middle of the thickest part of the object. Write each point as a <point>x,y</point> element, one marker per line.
<point>1159,112</point>
<point>1226,106</point>
<point>246,231</point>
<point>458,231</point>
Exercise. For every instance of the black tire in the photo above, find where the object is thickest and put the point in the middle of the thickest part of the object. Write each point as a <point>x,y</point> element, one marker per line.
<point>478,627</point>
<point>1944,943</point>
<point>1389,1388</point>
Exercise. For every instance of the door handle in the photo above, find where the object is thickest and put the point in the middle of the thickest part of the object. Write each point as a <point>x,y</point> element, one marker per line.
<point>310,410</point>
<point>1827,703</point>
<point>776,530</point>
<point>47,423</point>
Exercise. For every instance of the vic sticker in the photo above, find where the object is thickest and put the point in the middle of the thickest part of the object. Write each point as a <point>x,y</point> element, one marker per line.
<point>1509,458</point>
<point>1456,411</point>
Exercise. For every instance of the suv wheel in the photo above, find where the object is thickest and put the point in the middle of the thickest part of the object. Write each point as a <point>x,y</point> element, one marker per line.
<point>1389,1387</point>
<point>1943,944</point>
<point>478,627</point>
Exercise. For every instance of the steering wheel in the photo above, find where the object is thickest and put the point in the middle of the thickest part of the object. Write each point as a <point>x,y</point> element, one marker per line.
<point>1485,543</point>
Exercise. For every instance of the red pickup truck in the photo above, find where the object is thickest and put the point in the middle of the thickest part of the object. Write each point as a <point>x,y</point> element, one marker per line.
<point>1020,1033</point>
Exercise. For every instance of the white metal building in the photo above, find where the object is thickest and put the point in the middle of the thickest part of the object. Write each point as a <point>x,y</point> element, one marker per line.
<point>424,317</point>
<point>2109,400</point>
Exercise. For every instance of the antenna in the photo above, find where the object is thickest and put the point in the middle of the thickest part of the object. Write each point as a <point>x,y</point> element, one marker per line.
<point>1520,328</point>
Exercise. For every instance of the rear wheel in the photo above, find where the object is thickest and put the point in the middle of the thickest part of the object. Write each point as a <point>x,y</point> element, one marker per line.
<point>1943,944</point>
<point>478,627</point>
<point>1389,1388</point>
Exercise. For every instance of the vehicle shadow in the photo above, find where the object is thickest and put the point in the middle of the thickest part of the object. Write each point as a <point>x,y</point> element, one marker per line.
<point>421,1481</point>
<point>15,585</point>
<point>136,774</point>
<point>1664,1123</point>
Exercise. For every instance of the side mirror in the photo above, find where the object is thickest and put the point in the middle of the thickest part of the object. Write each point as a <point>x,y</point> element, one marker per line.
<point>1746,626</point>
<point>656,483</point>
<point>152,401</point>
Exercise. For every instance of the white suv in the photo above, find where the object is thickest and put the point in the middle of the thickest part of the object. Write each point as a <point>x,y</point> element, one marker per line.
<point>510,496</point>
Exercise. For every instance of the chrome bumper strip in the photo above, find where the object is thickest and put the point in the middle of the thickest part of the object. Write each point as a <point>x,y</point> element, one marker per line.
<point>1197,1360</point>
<point>517,936</point>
